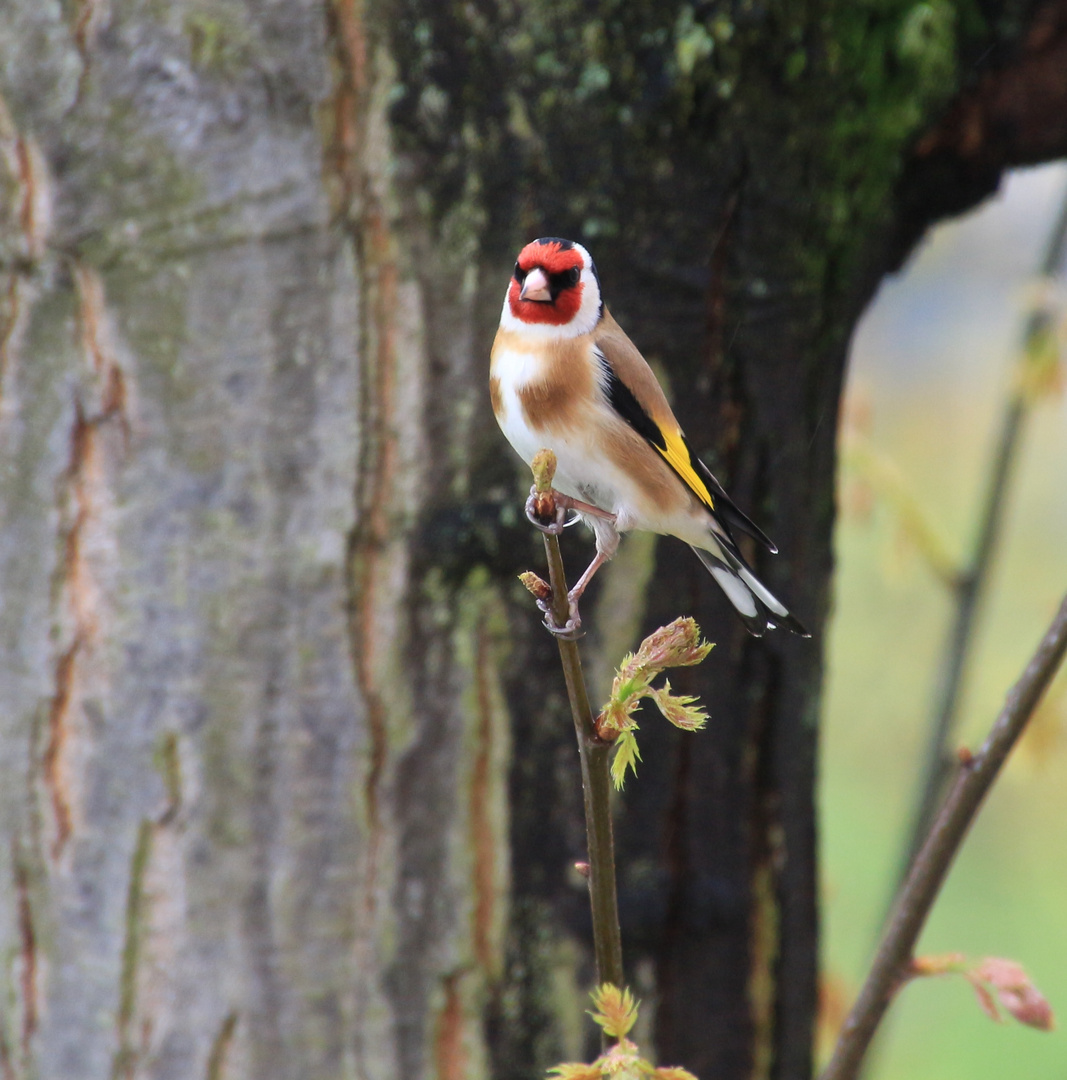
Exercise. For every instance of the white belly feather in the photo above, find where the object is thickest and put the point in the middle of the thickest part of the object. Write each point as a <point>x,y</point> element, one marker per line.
<point>515,370</point>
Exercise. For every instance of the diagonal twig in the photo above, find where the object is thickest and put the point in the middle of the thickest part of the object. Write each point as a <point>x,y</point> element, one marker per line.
<point>931,865</point>
<point>972,581</point>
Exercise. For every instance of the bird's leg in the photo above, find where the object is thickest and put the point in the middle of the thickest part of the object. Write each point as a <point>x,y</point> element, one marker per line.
<point>572,628</point>
<point>584,508</point>
<point>607,543</point>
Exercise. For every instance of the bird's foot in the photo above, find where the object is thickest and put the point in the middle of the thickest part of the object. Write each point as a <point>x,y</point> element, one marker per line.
<point>548,510</point>
<point>542,505</point>
<point>571,630</point>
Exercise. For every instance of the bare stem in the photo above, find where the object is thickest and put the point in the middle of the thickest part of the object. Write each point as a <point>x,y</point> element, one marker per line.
<point>973,779</point>
<point>972,581</point>
<point>595,756</point>
<point>594,752</point>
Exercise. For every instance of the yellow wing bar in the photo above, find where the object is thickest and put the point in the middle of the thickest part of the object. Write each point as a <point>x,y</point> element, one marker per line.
<point>677,456</point>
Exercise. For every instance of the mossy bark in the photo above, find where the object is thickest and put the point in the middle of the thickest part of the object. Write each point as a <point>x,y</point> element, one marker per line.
<point>260,632</point>
<point>744,175</point>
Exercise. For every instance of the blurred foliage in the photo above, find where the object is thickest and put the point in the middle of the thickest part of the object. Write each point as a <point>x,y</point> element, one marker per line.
<point>919,422</point>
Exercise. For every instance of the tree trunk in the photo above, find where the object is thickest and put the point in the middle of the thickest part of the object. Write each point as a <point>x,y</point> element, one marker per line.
<point>253,754</point>
<point>264,660</point>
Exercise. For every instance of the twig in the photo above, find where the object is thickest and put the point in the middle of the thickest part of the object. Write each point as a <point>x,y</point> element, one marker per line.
<point>927,873</point>
<point>595,755</point>
<point>971,583</point>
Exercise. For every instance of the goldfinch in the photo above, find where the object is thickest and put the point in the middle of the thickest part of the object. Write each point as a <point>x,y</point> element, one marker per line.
<point>564,376</point>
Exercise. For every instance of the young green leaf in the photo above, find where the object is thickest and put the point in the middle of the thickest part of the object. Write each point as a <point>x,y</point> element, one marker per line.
<point>616,1014</point>
<point>616,1010</point>
<point>626,757</point>
<point>676,645</point>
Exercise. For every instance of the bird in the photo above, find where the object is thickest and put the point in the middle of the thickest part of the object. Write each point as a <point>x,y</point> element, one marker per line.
<point>564,376</point>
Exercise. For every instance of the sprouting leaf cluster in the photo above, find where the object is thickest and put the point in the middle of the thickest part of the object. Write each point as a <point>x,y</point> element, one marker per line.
<point>616,1013</point>
<point>998,984</point>
<point>675,645</point>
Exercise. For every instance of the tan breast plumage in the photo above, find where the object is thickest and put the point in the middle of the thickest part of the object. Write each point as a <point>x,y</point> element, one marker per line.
<point>551,393</point>
<point>552,381</point>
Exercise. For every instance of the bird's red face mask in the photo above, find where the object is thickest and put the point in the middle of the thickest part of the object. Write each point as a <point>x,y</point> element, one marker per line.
<point>546,286</point>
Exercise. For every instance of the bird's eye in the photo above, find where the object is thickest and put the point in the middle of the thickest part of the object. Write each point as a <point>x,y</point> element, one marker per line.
<point>564,279</point>
<point>520,274</point>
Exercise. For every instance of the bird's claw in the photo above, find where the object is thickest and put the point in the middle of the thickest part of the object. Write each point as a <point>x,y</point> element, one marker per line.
<point>571,630</point>
<point>534,517</point>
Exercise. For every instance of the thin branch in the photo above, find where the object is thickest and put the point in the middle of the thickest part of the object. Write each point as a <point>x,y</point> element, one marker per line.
<point>928,871</point>
<point>972,582</point>
<point>595,754</point>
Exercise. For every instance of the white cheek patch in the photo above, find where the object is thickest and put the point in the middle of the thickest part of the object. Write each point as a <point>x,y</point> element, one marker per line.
<point>590,309</point>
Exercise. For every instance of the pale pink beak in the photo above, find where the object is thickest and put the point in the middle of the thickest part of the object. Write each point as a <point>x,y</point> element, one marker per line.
<point>535,287</point>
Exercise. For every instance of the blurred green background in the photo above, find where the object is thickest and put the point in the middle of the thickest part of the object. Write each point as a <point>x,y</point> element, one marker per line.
<point>931,368</point>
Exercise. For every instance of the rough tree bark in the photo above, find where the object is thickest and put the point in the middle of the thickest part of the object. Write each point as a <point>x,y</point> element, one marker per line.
<point>262,656</point>
<point>253,776</point>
